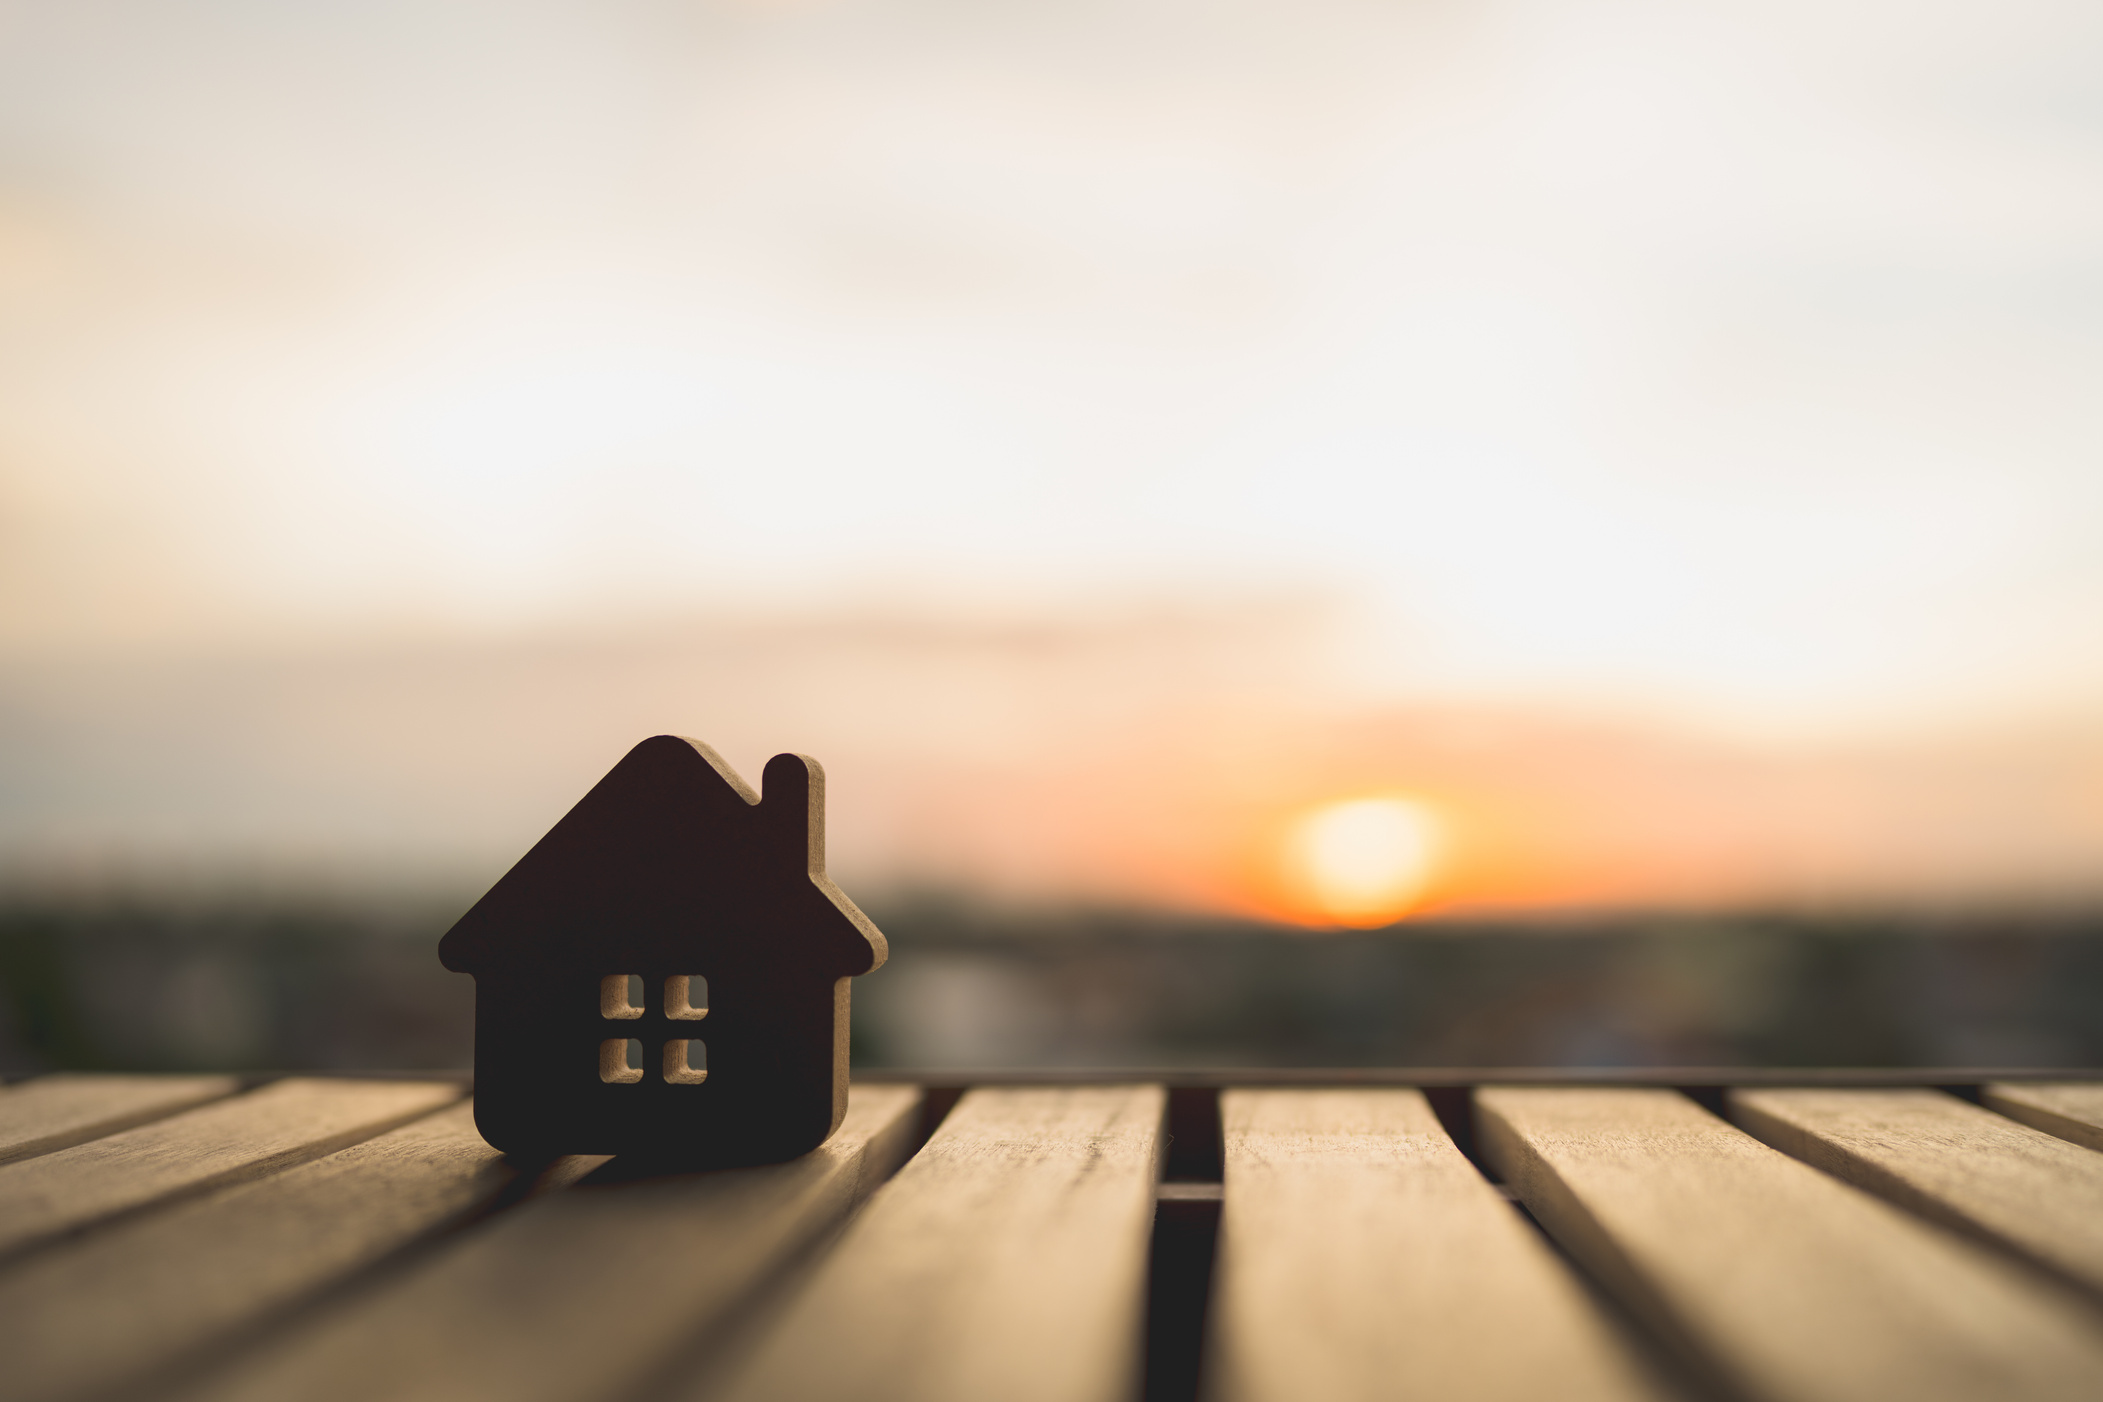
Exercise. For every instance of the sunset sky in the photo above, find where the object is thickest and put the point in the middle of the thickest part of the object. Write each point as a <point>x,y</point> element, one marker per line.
<point>1655,448</point>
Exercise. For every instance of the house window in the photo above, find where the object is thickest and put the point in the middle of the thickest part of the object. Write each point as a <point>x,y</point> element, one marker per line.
<point>621,995</point>
<point>686,997</point>
<point>686,1063</point>
<point>621,1061</point>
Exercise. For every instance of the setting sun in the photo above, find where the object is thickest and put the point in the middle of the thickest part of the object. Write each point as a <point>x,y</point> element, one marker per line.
<point>1366,861</point>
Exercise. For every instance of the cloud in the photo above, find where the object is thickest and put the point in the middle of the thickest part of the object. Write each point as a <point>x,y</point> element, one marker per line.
<point>1157,756</point>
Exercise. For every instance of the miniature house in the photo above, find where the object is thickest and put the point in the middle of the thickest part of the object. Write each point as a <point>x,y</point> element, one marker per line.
<point>666,971</point>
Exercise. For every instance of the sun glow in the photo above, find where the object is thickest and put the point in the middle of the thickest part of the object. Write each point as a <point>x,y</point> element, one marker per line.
<point>1365,862</point>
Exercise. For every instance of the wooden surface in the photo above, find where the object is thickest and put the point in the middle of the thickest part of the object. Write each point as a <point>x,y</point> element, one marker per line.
<point>2072,1110</point>
<point>1007,1260</point>
<point>1966,1167</point>
<point>132,1302</point>
<point>356,1241</point>
<point>61,1110</point>
<point>243,1136</point>
<point>1775,1278</point>
<point>635,1266</point>
<point>1361,1256</point>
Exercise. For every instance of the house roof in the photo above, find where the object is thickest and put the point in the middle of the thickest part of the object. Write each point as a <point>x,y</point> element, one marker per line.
<point>671,858</point>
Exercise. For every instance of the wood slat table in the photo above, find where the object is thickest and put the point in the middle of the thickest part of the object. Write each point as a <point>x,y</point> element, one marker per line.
<point>1232,1237</point>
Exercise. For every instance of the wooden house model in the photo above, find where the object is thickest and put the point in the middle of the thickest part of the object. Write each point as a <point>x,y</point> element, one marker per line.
<point>666,972</point>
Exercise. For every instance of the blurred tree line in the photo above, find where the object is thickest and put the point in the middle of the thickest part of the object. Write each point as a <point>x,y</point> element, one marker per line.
<point>286,985</point>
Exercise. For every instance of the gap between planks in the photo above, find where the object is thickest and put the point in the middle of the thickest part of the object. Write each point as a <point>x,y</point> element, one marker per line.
<point>71,1107</point>
<point>245,1136</point>
<point>1006,1260</point>
<point>1791,1285</point>
<point>131,1304</point>
<point>1164,1192</point>
<point>582,1294</point>
<point>1954,1163</point>
<point>1362,1257</point>
<point>2072,1110</point>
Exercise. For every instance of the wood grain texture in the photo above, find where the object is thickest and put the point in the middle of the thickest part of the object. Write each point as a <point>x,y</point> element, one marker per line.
<point>245,1136</point>
<point>1790,1284</point>
<point>1951,1162</point>
<point>1362,1257</point>
<point>123,1305</point>
<point>1007,1260</point>
<point>67,1108</point>
<point>2073,1110</point>
<point>584,1294</point>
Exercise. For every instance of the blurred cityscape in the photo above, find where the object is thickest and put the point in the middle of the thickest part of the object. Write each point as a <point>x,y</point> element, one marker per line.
<point>284,987</point>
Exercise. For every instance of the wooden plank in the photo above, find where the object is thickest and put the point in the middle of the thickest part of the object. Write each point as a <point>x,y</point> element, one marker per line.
<point>67,1108</point>
<point>127,1304</point>
<point>588,1293</point>
<point>1951,1162</point>
<point>1007,1260</point>
<point>2073,1110</point>
<point>1362,1257</point>
<point>1789,1284</point>
<point>243,1137</point>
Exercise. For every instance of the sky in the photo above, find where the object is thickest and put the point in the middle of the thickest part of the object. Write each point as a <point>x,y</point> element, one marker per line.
<point>1658,442</point>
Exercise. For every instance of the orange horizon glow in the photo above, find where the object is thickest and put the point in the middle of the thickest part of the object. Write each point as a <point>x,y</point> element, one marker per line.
<point>979,773</point>
<point>1364,862</point>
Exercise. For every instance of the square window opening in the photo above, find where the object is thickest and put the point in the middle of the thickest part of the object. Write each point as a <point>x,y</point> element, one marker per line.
<point>620,1061</point>
<point>686,1063</point>
<point>686,997</point>
<point>621,996</point>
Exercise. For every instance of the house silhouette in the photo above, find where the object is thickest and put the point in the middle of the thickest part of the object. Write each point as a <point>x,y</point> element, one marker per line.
<point>676,908</point>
